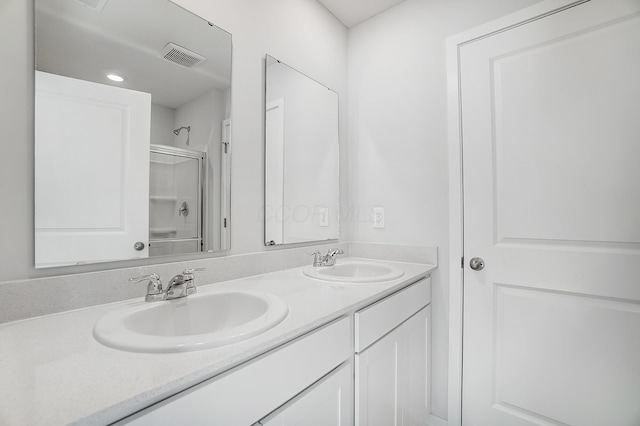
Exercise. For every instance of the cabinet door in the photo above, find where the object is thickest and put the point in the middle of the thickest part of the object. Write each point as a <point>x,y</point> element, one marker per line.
<point>391,376</point>
<point>379,382</point>
<point>326,403</point>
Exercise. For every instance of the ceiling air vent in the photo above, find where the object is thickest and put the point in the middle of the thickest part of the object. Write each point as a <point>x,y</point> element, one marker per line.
<point>181,56</point>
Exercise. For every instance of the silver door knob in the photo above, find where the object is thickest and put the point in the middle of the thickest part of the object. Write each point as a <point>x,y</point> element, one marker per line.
<point>477,264</point>
<point>139,246</point>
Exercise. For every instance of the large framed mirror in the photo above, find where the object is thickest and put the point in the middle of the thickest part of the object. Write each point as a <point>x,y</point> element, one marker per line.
<point>301,157</point>
<point>132,131</point>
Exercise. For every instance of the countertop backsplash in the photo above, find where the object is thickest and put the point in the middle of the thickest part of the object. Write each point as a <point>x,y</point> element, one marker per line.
<point>42,296</point>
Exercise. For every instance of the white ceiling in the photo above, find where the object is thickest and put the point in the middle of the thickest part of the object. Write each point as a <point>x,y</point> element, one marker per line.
<point>352,12</point>
<point>84,43</point>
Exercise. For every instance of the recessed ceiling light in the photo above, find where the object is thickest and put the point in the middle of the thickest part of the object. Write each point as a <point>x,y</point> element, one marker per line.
<point>116,77</point>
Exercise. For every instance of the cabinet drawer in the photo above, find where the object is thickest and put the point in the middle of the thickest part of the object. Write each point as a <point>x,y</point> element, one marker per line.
<point>250,391</point>
<point>373,322</point>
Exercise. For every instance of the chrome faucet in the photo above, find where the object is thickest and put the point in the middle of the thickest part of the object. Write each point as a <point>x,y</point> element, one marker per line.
<point>331,256</point>
<point>180,286</point>
<point>328,259</point>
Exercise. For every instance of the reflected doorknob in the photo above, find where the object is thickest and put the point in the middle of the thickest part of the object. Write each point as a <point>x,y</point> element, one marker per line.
<point>139,246</point>
<point>477,264</point>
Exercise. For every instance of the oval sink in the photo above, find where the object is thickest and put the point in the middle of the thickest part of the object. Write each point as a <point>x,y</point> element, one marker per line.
<point>354,272</point>
<point>200,321</point>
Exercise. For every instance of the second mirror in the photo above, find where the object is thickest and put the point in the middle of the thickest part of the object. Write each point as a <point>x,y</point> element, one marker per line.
<point>301,157</point>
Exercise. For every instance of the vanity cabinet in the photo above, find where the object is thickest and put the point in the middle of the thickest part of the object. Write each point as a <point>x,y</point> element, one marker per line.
<point>392,347</point>
<point>310,380</point>
<point>253,390</point>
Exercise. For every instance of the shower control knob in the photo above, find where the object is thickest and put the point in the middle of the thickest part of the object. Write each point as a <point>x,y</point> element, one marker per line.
<point>477,264</point>
<point>139,246</point>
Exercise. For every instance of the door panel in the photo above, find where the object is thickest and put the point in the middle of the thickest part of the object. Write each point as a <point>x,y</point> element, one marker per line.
<point>558,119</point>
<point>551,203</point>
<point>571,355</point>
<point>104,132</point>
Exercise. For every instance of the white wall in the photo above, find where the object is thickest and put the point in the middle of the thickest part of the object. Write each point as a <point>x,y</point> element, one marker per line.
<point>162,124</point>
<point>299,32</point>
<point>398,136</point>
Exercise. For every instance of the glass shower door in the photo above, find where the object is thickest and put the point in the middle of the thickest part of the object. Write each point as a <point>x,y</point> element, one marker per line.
<point>175,201</point>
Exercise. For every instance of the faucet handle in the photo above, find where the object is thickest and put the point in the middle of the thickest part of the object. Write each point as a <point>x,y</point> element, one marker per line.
<point>189,277</point>
<point>317,258</point>
<point>151,277</point>
<point>335,252</point>
<point>316,255</point>
<point>190,271</point>
<point>154,287</point>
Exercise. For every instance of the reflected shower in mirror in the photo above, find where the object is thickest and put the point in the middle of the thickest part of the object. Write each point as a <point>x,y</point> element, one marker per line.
<point>301,156</point>
<point>132,126</point>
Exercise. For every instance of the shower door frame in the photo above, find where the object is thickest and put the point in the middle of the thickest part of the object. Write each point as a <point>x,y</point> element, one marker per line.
<point>202,191</point>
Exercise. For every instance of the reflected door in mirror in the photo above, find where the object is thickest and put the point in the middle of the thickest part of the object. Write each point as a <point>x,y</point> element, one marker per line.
<point>101,133</point>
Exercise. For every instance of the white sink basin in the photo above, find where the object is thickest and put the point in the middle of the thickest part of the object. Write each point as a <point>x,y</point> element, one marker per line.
<point>200,321</point>
<point>354,272</point>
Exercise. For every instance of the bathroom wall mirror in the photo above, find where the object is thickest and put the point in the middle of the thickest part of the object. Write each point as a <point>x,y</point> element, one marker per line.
<point>301,157</point>
<point>132,131</point>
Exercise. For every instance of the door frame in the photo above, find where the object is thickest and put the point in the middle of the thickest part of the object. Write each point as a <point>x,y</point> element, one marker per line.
<point>456,190</point>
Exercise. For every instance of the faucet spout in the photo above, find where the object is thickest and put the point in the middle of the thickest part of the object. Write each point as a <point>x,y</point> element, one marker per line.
<point>328,259</point>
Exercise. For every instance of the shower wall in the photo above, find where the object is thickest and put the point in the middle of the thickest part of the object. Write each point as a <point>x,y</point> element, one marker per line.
<point>162,125</point>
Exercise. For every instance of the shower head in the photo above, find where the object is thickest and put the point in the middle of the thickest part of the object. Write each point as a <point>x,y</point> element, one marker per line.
<point>177,131</point>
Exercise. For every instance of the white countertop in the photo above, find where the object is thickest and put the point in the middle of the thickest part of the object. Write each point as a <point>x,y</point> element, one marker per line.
<point>53,371</point>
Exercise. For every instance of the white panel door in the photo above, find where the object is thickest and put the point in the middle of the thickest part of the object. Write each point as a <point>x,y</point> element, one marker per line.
<point>91,171</point>
<point>551,141</point>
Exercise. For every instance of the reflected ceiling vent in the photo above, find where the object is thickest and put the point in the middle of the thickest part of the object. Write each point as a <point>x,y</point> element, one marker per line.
<point>181,56</point>
<point>96,5</point>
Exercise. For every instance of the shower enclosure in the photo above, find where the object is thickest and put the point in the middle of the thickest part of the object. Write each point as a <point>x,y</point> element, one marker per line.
<point>176,201</point>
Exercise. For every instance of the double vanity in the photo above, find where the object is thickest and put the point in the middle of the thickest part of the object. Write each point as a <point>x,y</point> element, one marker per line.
<point>271,349</point>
